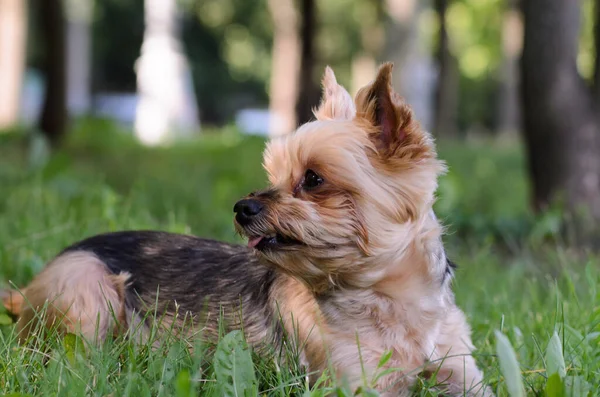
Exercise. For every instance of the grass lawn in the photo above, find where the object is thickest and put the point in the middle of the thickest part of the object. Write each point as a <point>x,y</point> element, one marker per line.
<point>514,275</point>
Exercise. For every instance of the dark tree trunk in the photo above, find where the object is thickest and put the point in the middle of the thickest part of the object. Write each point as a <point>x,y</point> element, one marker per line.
<point>447,83</point>
<point>560,122</point>
<point>54,114</point>
<point>308,95</point>
<point>597,48</point>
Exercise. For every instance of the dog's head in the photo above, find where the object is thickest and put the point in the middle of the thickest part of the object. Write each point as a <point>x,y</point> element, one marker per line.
<point>346,190</point>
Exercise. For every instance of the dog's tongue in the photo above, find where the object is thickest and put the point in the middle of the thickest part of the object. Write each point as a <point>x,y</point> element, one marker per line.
<point>253,241</point>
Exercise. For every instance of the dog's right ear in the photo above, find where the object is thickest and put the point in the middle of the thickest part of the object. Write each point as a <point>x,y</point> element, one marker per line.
<point>396,132</point>
<point>336,104</point>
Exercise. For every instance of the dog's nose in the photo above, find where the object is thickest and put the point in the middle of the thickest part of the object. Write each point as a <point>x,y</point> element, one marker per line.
<point>246,209</point>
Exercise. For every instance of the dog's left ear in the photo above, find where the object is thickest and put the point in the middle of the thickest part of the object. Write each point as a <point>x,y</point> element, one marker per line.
<point>395,126</point>
<point>336,103</point>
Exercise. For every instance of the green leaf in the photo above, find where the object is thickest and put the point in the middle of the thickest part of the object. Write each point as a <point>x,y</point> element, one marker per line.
<point>555,362</point>
<point>314,393</point>
<point>369,393</point>
<point>384,359</point>
<point>576,386</point>
<point>385,372</point>
<point>234,368</point>
<point>509,366</point>
<point>555,386</point>
<point>17,395</point>
<point>5,319</point>
<point>183,384</point>
<point>73,347</point>
<point>342,392</point>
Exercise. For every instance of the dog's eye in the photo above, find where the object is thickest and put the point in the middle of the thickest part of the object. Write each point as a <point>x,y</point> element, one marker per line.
<point>311,180</point>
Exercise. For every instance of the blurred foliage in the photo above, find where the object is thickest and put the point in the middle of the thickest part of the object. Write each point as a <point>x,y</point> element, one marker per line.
<point>475,32</point>
<point>193,185</point>
<point>475,28</point>
<point>587,53</point>
<point>228,43</point>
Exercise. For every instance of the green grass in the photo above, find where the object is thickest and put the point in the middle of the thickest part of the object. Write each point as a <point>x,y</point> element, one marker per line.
<point>514,277</point>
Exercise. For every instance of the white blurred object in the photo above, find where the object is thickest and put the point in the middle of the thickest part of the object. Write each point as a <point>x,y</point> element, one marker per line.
<point>117,106</point>
<point>78,41</point>
<point>256,121</point>
<point>166,109</point>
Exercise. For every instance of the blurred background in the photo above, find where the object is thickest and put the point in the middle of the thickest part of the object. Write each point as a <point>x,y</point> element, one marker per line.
<point>153,113</point>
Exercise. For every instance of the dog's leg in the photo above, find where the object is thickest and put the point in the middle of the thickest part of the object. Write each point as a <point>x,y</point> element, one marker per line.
<point>75,293</point>
<point>454,363</point>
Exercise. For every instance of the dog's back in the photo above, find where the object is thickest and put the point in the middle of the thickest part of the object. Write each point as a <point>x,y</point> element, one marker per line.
<point>131,279</point>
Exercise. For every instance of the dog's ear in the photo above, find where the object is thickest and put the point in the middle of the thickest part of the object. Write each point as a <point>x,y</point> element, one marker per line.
<point>394,124</point>
<point>336,103</point>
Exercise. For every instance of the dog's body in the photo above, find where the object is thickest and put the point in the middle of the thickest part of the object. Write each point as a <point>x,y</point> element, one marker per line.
<point>344,248</point>
<point>128,276</point>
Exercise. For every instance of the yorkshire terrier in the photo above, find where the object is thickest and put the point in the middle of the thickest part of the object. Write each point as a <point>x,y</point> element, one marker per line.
<point>344,253</point>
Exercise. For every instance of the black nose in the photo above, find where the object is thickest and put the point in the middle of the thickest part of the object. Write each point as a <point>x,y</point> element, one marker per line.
<point>247,209</point>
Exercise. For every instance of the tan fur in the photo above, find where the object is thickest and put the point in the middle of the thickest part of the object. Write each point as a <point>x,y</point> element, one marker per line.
<point>75,293</point>
<point>372,253</point>
<point>301,317</point>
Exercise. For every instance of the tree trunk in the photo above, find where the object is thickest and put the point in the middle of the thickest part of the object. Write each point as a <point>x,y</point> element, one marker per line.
<point>372,35</point>
<point>308,96</point>
<point>406,46</point>
<point>560,120</point>
<point>79,56</point>
<point>509,118</point>
<point>13,40</point>
<point>446,94</point>
<point>285,67</point>
<point>54,114</point>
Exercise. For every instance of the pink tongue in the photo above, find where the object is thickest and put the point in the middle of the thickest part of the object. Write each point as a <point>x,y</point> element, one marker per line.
<point>253,241</point>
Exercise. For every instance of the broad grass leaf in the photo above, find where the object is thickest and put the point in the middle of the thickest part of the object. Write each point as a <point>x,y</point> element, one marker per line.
<point>234,368</point>
<point>73,347</point>
<point>509,365</point>
<point>555,362</point>
<point>555,386</point>
<point>5,319</point>
<point>183,384</point>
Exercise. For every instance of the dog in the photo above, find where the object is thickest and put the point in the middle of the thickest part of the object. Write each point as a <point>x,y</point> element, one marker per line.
<point>344,252</point>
